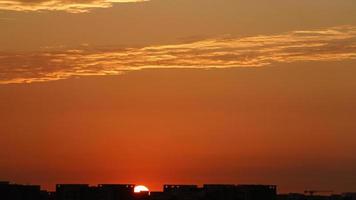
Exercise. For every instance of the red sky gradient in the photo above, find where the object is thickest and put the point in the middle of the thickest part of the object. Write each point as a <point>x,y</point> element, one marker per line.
<point>288,126</point>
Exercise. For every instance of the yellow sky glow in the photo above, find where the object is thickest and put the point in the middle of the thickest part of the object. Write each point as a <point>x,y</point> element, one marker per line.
<point>72,6</point>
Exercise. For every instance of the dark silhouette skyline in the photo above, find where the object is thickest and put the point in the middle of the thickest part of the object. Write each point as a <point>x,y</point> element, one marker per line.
<point>10,191</point>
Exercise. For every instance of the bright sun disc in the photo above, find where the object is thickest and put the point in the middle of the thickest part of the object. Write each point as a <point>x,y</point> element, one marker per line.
<point>140,188</point>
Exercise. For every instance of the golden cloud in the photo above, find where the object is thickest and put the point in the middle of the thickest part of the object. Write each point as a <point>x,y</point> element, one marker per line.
<point>73,6</point>
<point>331,44</point>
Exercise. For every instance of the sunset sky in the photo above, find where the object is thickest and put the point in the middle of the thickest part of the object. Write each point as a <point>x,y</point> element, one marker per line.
<point>179,91</point>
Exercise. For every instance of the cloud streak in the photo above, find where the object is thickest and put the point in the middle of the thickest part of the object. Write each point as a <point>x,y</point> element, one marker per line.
<point>72,6</point>
<point>330,44</point>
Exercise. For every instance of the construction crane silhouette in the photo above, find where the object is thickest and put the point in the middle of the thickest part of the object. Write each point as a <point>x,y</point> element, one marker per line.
<point>312,192</point>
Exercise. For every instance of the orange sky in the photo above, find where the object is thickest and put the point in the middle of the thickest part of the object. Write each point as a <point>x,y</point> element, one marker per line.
<point>179,91</point>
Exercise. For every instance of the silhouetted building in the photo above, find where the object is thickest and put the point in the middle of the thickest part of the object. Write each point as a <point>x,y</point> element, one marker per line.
<point>180,188</point>
<point>116,191</point>
<point>21,192</point>
<point>216,192</point>
<point>257,192</point>
<point>76,192</point>
<point>182,192</point>
<point>158,196</point>
<point>219,191</point>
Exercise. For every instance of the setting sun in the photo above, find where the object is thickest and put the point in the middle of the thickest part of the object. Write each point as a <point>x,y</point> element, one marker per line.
<point>141,188</point>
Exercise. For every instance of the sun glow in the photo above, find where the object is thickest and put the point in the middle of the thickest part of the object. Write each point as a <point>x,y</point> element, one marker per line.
<point>140,188</point>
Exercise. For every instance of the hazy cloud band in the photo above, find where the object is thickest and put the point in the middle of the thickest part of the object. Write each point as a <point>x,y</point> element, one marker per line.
<point>73,6</point>
<point>331,44</point>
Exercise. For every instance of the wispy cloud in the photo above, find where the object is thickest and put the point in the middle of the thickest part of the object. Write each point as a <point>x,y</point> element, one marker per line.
<point>331,44</point>
<point>73,6</point>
